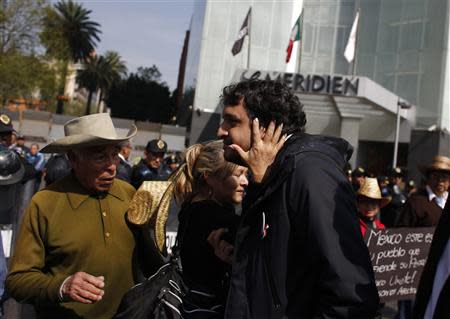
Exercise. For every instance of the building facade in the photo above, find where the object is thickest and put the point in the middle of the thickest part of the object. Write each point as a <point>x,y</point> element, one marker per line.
<point>402,50</point>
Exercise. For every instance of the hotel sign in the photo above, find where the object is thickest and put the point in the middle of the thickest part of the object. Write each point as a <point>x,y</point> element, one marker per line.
<point>311,83</point>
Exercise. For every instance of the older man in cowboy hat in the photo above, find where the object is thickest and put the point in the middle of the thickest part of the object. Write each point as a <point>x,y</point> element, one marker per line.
<point>73,257</point>
<point>424,208</point>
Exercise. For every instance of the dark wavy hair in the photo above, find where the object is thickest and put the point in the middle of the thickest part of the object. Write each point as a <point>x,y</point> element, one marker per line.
<point>267,100</point>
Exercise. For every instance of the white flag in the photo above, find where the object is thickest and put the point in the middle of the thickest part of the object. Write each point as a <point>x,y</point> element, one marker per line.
<point>350,49</point>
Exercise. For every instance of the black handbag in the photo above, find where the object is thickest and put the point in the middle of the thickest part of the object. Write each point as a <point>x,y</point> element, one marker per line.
<point>158,297</point>
<point>165,295</point>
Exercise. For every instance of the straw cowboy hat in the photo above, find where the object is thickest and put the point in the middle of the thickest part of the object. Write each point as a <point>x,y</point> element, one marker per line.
<point>438,163</point>
<point>370,189</point>
<point>89,130</point>
<point>149,205</point>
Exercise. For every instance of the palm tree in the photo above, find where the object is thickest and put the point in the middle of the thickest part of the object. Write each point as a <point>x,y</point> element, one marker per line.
<point>117,69</point>
<point>70,35</point>
<point>100,73</point>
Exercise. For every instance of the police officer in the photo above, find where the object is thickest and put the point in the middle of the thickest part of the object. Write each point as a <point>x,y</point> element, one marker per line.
<point>6,132</point>
<point>358,177</point>
<point>171,163</point>
<point>150,168</point>
<point>391,212</point>
<point>56,168</point>
<point>11,174</point>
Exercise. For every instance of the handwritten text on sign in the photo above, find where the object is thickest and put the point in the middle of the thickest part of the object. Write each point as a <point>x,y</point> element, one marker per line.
<point>398,257</point>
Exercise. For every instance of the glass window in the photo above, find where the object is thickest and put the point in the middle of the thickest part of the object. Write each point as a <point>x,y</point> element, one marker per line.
<point>365,65</point>
<point>325,40</point>
<point>411,36</point>
<point>391,11</point>
<point>413,9</point>
<point>409,62</point>
<point>308,37</point>
<point>407,87</point>
<point>388,37</point>
<point>323,65</point>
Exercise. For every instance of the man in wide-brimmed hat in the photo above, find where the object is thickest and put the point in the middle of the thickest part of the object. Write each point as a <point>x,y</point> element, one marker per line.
<point>424,208</point>
<point>73,256</point>
<point>369,204</point>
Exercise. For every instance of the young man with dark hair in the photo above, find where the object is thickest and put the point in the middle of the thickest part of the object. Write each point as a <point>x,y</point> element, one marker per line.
<point>299,252</point>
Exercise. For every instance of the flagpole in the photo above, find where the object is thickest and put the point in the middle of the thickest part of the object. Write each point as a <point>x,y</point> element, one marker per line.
<point>358,12</point>
<point>249,38</point>
<point>301,41</point>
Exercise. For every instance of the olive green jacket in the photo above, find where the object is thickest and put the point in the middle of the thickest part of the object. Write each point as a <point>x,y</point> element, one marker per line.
<point>66,230</point>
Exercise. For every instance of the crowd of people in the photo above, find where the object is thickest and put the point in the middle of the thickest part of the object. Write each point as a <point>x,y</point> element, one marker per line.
<point>295,250</point>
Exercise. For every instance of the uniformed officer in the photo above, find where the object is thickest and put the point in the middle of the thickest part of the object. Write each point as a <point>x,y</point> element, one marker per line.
<point>390,214</point>
<point>6,132</point>
<point>7,143</point>
<point>358,177</point>
<point>11,174</point>
<point>171,163</point>
<point>150,168</point>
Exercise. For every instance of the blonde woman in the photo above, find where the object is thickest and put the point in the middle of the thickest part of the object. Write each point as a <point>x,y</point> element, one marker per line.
<point>207,187</point>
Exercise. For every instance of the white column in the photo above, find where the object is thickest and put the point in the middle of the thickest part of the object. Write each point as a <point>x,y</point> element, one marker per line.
<point>350,132</point>
<point>444,116</point>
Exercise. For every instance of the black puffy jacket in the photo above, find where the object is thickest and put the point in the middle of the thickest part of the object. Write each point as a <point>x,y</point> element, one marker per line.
<point>299,252</point>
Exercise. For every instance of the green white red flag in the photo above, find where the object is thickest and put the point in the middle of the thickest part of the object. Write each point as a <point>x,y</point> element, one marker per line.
<point>296,34</point>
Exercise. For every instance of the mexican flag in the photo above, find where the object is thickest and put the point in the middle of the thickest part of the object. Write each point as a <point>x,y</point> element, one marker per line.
<point>296,34</point>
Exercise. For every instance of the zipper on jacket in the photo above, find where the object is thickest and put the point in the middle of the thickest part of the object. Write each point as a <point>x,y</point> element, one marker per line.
<point>275,298</point>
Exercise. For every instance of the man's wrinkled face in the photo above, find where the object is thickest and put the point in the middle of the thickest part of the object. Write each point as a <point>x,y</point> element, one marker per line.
<point>439,182</point>
<point>95,167</point>
<point>154,160</point>
<point>235,129</point>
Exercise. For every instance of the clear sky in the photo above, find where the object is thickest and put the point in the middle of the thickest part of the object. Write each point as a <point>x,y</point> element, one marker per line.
<point>144,32</point>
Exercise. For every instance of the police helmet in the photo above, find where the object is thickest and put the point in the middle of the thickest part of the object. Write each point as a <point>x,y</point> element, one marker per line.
<point>11,168</point>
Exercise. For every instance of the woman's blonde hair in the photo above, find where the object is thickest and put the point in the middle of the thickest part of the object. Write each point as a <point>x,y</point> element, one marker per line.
<point>200,159</point>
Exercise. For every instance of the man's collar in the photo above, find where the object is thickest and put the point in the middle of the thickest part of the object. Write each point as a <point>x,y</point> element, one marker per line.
<point>123,158</point>
<point>77,194</point>
<point>432,195</point>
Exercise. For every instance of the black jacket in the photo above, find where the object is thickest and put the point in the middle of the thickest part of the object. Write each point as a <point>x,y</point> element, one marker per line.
<point>124,171</point>
<point>440,240</point>
<point>202,270</point>
<point>299,252</point>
